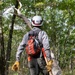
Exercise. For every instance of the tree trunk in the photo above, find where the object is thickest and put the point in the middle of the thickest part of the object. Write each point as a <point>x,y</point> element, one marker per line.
<point>8,53</point>
<point>2,51</point>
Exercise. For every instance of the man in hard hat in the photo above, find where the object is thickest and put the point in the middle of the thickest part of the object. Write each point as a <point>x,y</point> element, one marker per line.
<point>37,62</point>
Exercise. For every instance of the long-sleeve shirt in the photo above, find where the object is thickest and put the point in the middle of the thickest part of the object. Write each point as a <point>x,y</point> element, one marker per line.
<point>43,38</point>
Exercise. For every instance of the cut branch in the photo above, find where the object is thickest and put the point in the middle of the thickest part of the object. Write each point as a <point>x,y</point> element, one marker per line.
<point>19,14</point>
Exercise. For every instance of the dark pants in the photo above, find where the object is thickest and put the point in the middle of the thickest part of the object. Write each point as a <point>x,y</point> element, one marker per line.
<point>37,66</point>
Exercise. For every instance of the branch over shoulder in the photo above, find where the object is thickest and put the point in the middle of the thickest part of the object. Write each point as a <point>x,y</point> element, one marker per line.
<point>19,14</point>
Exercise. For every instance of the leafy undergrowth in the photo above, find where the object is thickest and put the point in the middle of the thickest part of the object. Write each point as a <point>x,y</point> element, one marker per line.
<point>68,72</point>
<point>25,71</point>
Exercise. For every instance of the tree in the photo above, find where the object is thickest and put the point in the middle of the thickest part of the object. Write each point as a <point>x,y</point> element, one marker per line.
<point>2,52</point>
<point>8,54</point>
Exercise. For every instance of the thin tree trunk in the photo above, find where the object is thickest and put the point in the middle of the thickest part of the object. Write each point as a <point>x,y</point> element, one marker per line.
<point>8,53</point>
<point>2,53</point>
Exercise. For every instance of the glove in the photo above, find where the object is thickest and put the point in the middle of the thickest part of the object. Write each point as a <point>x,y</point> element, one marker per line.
<point>15,66</point>
<point>49,65</point>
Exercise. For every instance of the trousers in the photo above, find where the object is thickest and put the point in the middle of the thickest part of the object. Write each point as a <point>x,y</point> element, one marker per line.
<point>37,66</point>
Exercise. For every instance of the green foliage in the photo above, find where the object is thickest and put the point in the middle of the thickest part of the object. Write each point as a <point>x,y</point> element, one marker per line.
<point>1,5</point>
<point>58,16</point>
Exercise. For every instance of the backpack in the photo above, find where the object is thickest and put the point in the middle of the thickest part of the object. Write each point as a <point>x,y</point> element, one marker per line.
<point>33,45</point>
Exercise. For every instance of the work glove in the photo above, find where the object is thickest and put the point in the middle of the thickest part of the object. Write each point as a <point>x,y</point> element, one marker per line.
<point>15,66</point>
<point>49,65</point>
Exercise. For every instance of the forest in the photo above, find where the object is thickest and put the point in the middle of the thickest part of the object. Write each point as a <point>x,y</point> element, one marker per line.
<point>59,23</point>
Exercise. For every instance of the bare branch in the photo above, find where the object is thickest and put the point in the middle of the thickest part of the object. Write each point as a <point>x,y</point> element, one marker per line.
<point>19,14</point>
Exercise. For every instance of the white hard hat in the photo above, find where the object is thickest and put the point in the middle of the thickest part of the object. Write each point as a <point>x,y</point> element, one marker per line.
<point>37,21</point>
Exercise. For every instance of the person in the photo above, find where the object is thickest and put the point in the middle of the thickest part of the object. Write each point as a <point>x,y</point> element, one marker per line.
<point>36,64</point>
